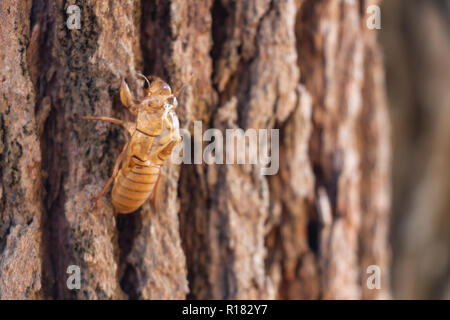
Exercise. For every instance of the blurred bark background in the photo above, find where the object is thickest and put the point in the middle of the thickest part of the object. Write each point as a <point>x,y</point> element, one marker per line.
<point>416,41</point>
<point>310,68</point>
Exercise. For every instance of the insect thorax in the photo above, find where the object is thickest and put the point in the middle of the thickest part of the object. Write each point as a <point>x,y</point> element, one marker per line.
<point>150,122</point>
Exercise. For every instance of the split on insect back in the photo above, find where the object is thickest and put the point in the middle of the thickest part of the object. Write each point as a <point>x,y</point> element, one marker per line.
<point>154,135</point>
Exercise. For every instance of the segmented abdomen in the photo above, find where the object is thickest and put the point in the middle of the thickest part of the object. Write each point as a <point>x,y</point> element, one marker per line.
<point>133,186</point>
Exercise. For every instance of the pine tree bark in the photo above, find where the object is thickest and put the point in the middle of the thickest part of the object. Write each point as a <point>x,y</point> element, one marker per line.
<point>309,68</point>
<point>419,96</point>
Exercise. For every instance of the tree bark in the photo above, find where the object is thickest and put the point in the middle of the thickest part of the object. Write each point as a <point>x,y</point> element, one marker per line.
<point>309,68</point>
<point>419,95</point>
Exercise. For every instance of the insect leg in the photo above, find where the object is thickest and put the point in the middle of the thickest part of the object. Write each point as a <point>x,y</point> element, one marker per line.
<point>127,98</point>
<point>129,126</point>
<point>165,151</point>
<point>114,174</point>
<point>112,120</point>
<point>167,143</point>
<point>155,193</point>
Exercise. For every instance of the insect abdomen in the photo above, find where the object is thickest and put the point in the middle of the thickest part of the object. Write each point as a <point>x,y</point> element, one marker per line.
<point>133,186</point>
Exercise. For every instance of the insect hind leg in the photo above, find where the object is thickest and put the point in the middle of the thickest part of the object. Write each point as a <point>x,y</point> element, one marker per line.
<point>114,174</point>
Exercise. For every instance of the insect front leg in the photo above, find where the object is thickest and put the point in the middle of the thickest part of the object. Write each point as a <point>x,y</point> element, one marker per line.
<point>127,98</point>
<point>166,145</point>
<point>168,142</point>
<point>167,151</point>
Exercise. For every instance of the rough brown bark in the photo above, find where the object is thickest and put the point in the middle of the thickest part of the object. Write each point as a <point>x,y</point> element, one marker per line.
<point>418,91</point>
<point>309,68</point>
